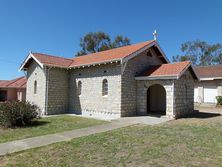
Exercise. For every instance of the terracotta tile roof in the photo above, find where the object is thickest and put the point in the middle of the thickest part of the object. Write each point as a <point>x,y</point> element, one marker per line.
<point>108,55</point>
<point>4,83</point>
<point>209,71</point>
<point>166,70</point>
<point>52,60</point>
<point>15,83</point>
<point>99,57</point>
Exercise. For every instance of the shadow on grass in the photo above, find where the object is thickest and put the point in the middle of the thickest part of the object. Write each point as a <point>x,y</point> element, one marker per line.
<point>35,123</point>
<point>38,123</point>
<point>202,115</point>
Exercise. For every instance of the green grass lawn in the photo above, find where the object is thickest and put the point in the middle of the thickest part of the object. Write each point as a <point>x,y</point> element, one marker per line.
<point>47,125</point>
<point>184,142</point>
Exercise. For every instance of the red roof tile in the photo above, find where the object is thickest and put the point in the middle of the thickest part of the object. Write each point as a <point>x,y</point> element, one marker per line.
<point>108,55</point>
<point>53,60</point>
<point>163,70</point>
<point>15,83</point>
<point>99,57</point>
<point>4,83</point>
<point>209,71</point>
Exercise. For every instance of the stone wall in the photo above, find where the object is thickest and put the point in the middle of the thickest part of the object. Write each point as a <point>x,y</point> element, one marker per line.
<point>58,88</point>
<point>36,73</point>
<point>141,100</point>
<point>134,67</point>
<point>91,102</point>
<point>184,95</point>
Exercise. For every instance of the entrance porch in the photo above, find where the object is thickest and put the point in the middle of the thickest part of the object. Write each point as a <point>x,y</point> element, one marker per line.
<point>155,97</point>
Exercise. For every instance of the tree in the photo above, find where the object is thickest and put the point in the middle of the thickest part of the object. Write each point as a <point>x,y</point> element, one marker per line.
<point>120,41</point>
<point>200,53</point>
<point>99,41</point>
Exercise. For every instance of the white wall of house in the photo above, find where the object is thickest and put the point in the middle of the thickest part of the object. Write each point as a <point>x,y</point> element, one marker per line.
<point>21,94</point>
<point>206,91</point>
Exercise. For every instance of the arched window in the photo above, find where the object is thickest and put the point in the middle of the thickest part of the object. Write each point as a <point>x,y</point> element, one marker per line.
<point>35,87</point>
<point>79,88</point>
<point>105,87</point>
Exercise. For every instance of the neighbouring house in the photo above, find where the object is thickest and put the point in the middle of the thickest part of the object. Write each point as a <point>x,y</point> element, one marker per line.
<point>130,80</point>
<point>209,85</point>
<point>13,90</point>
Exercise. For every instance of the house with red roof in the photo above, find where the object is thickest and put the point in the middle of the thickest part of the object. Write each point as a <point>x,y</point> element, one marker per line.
<point>11,90</point>
<point>209,85</point>
<point>132,80</point>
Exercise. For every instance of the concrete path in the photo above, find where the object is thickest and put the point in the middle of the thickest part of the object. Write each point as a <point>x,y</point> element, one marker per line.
<point>147,120</point>
<point>24,144</point>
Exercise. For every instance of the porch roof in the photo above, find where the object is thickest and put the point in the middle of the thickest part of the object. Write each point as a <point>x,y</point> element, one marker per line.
<point>167,71</point>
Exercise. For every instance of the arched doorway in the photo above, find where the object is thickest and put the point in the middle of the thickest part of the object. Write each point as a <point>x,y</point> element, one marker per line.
<point>156,100</point>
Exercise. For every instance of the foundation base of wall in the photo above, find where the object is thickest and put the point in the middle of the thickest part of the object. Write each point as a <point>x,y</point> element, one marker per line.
<point>99,115</point>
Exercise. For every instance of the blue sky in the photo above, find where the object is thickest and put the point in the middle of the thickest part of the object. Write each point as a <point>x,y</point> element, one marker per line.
<point>55,26</point>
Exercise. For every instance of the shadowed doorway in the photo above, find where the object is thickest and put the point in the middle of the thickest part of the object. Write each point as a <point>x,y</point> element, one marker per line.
<point>156,100</point>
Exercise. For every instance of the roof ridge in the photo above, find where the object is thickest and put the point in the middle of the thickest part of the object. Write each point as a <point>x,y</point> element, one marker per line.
<point>208,66</point>
<point>181,62</point>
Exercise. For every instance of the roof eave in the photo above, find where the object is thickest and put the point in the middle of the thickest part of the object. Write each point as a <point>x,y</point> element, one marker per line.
<point>209,78</point>
<point>156,77</point>
<point>162,52</point>
<point>154,43</point>
<point>194,72</point>
<point>185,69</point>
<point>13,87</point>
<point>97,63</point>
<point>27,59</point>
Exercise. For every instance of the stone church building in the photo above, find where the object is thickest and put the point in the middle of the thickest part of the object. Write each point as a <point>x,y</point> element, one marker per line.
<point>131,80</point>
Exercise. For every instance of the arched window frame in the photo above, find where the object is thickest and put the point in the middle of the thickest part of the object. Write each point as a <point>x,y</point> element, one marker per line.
<point>105,87</point>
<point>35,87</point>
<point>79,89</point>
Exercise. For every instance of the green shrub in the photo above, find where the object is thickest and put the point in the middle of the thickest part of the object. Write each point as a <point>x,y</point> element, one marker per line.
<point>16,114</point>
<point>219,100</point>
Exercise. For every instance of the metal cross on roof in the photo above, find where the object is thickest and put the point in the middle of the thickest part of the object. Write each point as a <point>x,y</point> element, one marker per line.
<point>155,35</point>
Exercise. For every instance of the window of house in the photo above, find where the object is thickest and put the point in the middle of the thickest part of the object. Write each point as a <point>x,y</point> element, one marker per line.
<point>79,88</point>
<point>105,87</point>
<point>3,96</point>
<point>35,87</point>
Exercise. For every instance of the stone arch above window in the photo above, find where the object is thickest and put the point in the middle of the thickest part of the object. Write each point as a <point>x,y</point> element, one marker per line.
<point>35,87</point>
<point>79,89</point>
<point>105,87</point>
